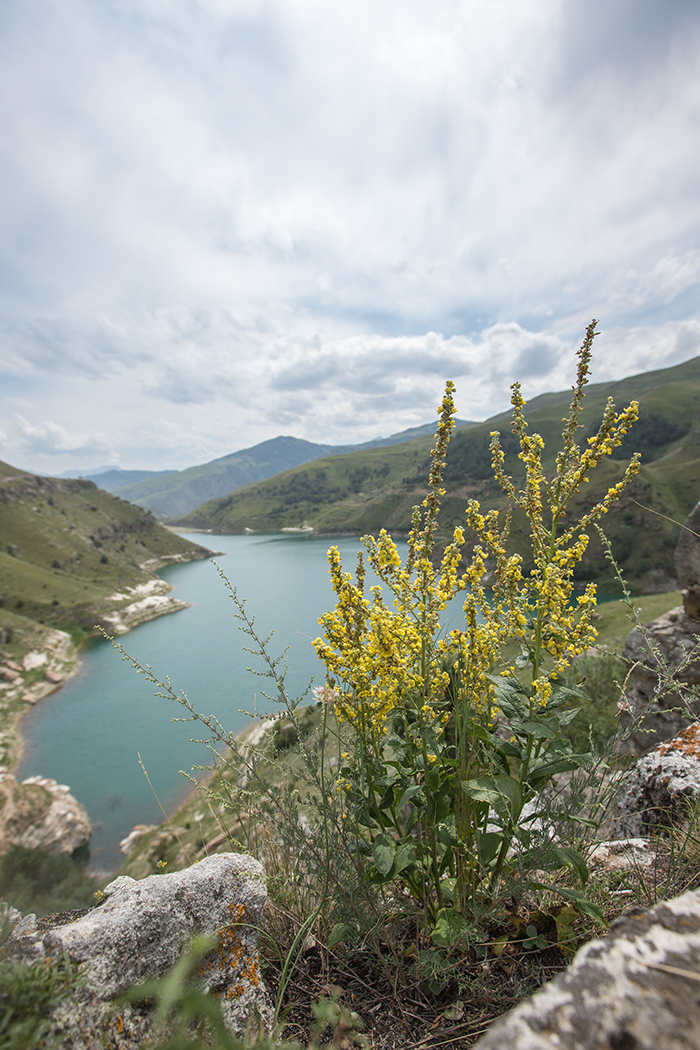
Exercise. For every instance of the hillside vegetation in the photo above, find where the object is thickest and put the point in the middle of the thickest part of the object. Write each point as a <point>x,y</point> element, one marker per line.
<point>67,546</point>
<point>376,488</point>
<point>179,492</point>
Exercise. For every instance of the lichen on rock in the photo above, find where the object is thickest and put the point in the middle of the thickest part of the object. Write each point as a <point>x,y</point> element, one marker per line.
<point>140,931</point>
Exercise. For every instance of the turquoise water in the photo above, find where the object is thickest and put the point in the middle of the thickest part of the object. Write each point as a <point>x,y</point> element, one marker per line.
<point>90,732</point>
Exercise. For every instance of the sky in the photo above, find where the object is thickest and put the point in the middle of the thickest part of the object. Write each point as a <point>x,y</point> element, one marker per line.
<point>224,220</point>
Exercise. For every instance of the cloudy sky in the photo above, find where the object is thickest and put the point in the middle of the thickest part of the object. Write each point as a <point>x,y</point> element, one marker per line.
<point>224,220</point>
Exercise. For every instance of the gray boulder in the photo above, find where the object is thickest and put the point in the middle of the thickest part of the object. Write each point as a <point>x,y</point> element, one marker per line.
<point>654,712</point>
<point>656,791</point>
<point>636,989</point>
<point>41,814</point>
<point>687,555</point>
<point>658,712</point>
<point>140,931</point>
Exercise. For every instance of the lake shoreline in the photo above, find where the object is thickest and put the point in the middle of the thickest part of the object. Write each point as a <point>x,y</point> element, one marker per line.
<point>57,657</point>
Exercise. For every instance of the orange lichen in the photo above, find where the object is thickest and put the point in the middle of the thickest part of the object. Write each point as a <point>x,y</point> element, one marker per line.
<point>231,952</point>
<point>686,743</point>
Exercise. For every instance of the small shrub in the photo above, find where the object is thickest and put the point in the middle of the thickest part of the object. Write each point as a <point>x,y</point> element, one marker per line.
<point>41,882</point>
<point>28,993</point>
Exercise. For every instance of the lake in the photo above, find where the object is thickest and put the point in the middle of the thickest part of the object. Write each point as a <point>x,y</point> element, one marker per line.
<point>90,732</point>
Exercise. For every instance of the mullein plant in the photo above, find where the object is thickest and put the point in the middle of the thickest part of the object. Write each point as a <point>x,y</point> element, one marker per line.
<point>448,745</point>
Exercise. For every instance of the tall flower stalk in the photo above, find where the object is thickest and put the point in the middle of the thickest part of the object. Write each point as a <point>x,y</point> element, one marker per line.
<point>446,739</point>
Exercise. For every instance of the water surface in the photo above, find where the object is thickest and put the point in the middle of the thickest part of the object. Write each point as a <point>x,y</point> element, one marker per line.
<point>90,732</point>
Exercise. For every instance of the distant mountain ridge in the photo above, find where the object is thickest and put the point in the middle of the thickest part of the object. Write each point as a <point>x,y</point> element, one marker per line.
<point>376,488</point>
<point>172,494</point>
<point>114,479</point>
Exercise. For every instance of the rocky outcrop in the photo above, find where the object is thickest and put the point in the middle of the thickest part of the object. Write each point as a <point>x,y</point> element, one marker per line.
<point>656,705</point>
<point>151,600</point>
<point>41,814</point>
<point>655,792</point>
<point>687,556</point>
<point>665,658</point>
<point>139,932</point>
<point>636,989</point>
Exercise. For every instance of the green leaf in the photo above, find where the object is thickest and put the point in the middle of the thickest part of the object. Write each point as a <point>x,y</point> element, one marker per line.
<point>540,729</point>
<point>450,926</point>
<point>414,794</point>
<point>558,758</point>
<point>405,857</point>
<point>364,818</point>
<point>383,853</point>
<point>340,932</point>
<point>582,903</point>
<point>574,860</point>
<point>565,692</point>
<point>445,835</point>
<point>508,696</point>
<point>565,717</point>
<point>502,792</point>
<point>489,845</point>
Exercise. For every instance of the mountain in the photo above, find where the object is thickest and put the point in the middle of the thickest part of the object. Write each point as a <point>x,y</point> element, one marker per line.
<point>374,488</point>
<point>115,479</point>
<point>89,472</point>
<point>175,493</point>
<point>70,552</point>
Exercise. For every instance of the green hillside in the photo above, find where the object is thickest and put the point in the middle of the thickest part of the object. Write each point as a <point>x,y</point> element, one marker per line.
<point>67,546</point>
<point>179,492</point>
<point>374,488</point>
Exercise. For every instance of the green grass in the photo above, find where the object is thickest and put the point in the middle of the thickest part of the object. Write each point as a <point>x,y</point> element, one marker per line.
<point>65,545</point>
<point>616,621</point>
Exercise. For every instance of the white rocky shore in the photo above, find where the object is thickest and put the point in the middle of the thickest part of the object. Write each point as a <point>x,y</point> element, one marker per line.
<point>146,601</point>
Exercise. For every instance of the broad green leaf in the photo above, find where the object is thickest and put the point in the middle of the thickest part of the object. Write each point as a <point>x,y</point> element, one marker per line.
<point>502,792</point>
<point>450,926</point>
<point>405,857</point>
<point>340,932</point>
<point>509,696</point>
<point>364,818</point>
<point>540,729</point>
<point>565,717</point>
<point>448,887</point>
<point>489,845</point>
<point>383,853</point>
<point>414,794</point>
<point>565,692</point>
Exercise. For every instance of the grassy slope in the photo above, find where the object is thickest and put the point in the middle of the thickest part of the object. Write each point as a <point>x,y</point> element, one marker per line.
<point>65,545</point>
<point>374,488</point>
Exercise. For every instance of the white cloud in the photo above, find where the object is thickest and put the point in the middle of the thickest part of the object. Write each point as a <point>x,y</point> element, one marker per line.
<point>52,439</point>
<point>220,219</point>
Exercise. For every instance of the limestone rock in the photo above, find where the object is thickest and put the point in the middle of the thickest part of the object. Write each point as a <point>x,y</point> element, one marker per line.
<point>624,991</point>
<point>622,854</point>
<point>663,715</point>
<point>128,844</point>
<point>140,931</point>
<point>656,790</point>
<point>41,814</point>
<point>687,555</point>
